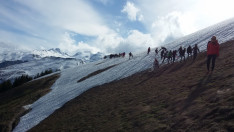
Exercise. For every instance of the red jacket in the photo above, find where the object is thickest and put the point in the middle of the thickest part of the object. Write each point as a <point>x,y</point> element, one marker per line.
<point>213,48</point>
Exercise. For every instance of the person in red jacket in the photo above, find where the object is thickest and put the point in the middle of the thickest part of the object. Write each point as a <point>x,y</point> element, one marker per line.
<point>212,53</point>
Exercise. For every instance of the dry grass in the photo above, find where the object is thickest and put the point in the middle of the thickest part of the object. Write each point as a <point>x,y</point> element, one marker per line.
<point>95,73</point>
<point>11,101</point>
<point>177,97</point>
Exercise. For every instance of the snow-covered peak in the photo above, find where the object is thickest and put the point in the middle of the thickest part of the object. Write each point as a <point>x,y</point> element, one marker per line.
<point>51,52</point>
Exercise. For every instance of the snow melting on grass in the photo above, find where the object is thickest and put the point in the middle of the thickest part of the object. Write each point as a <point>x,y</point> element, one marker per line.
<point>67,88</point>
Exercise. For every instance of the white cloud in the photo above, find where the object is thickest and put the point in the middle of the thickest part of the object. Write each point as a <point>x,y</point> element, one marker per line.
<point>171,26</point>
<point>170,19</point>
<point>69,45</point>
<point>134,42</point>
<point>77,16</point>
<point>42,23</point>
<point>132,12</point>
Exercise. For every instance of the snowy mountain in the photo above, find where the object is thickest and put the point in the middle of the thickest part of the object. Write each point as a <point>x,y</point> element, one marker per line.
<point>88,56</point>
<point>14,62</point>
<point>67,87</point>
<point>51,52</point>
<point>16,55</point>
<point>24,55</point>
<point>33,67</point>
<point>11,55</point>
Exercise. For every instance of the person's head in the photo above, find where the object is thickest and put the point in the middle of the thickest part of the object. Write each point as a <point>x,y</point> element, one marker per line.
<point>213,39</point>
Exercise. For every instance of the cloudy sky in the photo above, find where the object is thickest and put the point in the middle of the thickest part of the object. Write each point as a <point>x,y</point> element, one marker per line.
<point>109,26</point>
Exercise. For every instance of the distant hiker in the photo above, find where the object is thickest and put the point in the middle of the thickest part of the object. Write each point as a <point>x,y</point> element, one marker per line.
<point>123,54</point>
<point>165,56</point>
<point>162,54</point>
<point>212,53</point>
<point>156,51</point>
<point>195,50</point>
<point>182,53</point>
<point>174,55</point>
<point>189,51</point>
<point>130,55</point>
<point>148,50</point>
<point>169,56</point>
<point>156,64</point>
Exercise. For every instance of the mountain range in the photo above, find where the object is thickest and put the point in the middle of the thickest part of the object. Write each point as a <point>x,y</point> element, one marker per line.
<point>15,62</point>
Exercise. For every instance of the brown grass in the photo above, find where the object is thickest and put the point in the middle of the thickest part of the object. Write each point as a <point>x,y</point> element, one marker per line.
<point>177,97</point>
<point>11,102</point>
<point>95,73</point>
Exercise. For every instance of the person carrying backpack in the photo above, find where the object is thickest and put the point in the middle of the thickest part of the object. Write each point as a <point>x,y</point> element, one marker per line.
<point>212,53</point>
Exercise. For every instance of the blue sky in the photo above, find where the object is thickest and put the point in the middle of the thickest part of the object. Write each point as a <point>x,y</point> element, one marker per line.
<point>109,26</point>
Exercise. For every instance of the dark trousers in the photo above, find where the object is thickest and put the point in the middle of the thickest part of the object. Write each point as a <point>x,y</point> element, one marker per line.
<point>194,56</point>
<point>209,58</point>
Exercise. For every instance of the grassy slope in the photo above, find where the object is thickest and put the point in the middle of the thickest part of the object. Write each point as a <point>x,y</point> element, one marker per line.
<point>177,97</point>
<point>11,101</point>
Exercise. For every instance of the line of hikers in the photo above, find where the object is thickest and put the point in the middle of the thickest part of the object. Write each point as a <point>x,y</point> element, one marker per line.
<point>171,55</point>
<point>212,53</point>
<point>118,55</point>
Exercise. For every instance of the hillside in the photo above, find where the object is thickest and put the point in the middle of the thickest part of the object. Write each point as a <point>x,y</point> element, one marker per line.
<point>75,81</point>
<point>176,97</point>
<point>13,100</point>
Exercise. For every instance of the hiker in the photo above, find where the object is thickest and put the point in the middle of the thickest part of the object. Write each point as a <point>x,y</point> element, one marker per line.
<point>212,53</point>
<point>169,56</point>
<point>123,54</point>
<point>130,55</point>
<point>195,50</point>
<point>174,55</point>
<point>162,54</point>
<point>182,53</point>
<point>148,50</point>
<point>156,51</point>
<point>189,51</point>
<point>165,55</point>
<point>156,64</point>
